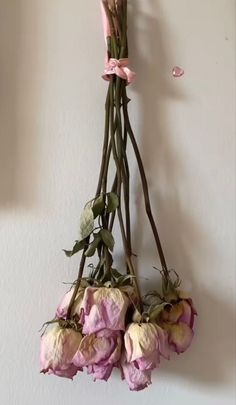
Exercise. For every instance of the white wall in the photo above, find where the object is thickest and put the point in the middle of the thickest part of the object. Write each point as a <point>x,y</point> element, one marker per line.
<point>51,125</point>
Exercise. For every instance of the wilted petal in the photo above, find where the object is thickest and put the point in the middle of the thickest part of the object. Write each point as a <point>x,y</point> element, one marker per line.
<point>163,345</point>
<point>102,348</point>
<point>144,343</point>
<point>148,362</point>
<point>136,379</point>
<point>182,311</point>
<point>65,302</point>
<point>100,372</point>
<point>186,316</point>
<point>70,372</point>
<point>180,337</point>
<point>173,313</point>
<point>58,347</point>
<point>103,308</point>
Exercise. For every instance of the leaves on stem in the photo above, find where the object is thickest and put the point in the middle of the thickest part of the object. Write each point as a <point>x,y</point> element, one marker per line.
<point>79,245</point>
<point>93,245</point>
<point>86,222</point>
<point>112,202</point>
<point>98,206</point>
<point>107,238</point>
<point>101,205</point>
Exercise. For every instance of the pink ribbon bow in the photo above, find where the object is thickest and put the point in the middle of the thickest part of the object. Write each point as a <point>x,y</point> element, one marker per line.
<point>119,68</point>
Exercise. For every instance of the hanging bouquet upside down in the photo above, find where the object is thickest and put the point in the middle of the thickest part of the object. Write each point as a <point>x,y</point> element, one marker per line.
<point>104,321</point>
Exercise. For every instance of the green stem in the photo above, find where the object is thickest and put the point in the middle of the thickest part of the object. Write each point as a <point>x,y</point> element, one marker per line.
<point>77,285</point>
<point>145,187</point>
<point>105,153</point>
<point>117,154</point>
<point>104,166</point>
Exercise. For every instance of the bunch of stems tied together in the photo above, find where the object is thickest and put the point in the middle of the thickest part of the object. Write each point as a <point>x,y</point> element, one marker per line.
<point>103,322</point>
<point>118,132</point>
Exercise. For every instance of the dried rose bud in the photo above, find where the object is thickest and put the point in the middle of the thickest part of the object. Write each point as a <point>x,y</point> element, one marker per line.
<point>178,321</point>
<point>58,347</point>
<point>144,344</point>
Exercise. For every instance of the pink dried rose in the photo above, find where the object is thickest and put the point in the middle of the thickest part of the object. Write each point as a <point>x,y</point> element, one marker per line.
<point>100,352</point>
<point>144,344</point>
<point>58,347</point>
<point>65,302</point>
<point>103,308</point>
<point>178,321</point>
<point>136,379</point>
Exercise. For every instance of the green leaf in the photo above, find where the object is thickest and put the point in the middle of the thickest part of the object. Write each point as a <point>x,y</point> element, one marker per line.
<point>112,202</point>
<point>93,246</point>
<point>107,238</point>
<point>79,245</point>
<point>98,206</point>
<point>86,222</point>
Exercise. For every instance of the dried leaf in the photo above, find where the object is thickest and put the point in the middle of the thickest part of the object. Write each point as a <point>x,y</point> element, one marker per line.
<point>86,222</point>
<point>98,206</point>
<point>93,246</point>
<point>112,202</point>
<point>107,238</point>
<point>79,245</point>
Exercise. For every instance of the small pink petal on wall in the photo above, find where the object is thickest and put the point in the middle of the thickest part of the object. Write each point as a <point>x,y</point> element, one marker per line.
<point>177,71</point>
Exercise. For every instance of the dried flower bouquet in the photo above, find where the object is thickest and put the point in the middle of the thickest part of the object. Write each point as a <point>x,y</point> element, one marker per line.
<point>104,321</point>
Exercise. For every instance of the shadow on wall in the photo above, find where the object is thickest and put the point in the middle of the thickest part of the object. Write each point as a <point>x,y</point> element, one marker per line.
<point>8,71</point>
<point>17,99</point>
<point>210,359</point>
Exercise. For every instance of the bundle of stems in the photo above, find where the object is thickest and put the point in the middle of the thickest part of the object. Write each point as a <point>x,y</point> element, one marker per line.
<point>118,132</point>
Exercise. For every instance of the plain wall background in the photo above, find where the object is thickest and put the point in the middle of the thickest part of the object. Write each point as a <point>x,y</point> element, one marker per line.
<point>51,126</point>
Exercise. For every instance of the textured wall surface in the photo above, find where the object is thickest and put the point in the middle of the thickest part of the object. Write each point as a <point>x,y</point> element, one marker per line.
<point>51,126</point>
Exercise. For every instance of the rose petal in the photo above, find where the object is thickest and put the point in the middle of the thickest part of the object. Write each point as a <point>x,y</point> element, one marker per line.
<point>144,343</point>
<point>102,348</point>
<point>136,379</point>
<point>103,308</point>
<point>149,362</point>
<point>70,372</point>
<point>177,71</point>
<point>180,337</point>
<point>173,314</point>
<point>163,343</point>
<point>65,302</point>
<point>186,316</point>
<point>100,372</point>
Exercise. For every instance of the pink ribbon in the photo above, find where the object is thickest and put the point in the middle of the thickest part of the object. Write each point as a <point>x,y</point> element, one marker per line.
<point>105,23</point>
<point>120,68</point>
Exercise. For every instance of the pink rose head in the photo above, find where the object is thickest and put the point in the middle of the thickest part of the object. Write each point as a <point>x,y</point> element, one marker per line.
<point>58,347</point>
<point>178,321</point>
<point>136,379</point>
<point>99,352</point>
<point>64,304</point>
<point>144,343</point>
<point>103,308</point>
